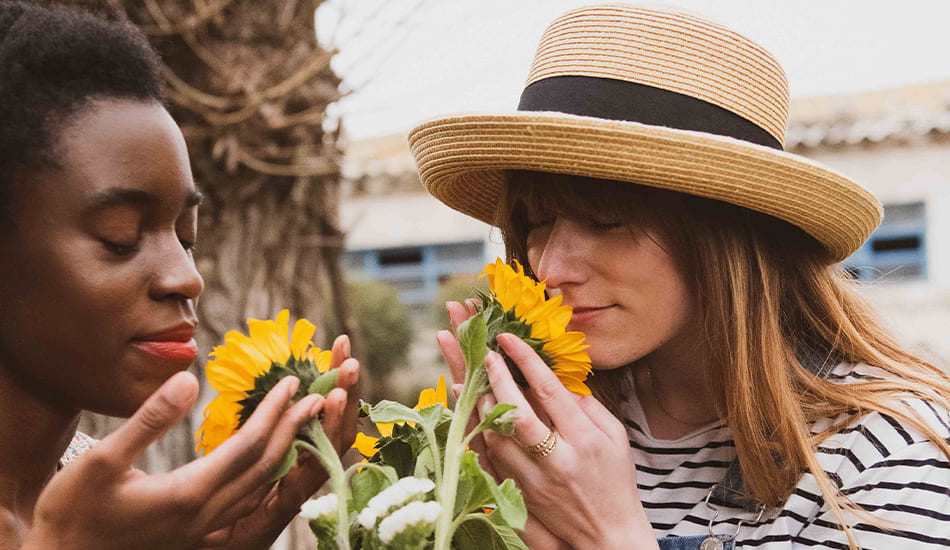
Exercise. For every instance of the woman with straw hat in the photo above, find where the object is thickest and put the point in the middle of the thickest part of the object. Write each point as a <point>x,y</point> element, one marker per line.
<point>643,179</point>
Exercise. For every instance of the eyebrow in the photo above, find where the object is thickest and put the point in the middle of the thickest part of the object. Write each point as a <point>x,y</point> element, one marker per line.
<point>117,196</point>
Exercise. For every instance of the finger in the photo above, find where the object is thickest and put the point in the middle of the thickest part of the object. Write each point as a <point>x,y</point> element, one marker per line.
<point>350,381</point>
<point>296,487</point>
<point>240,451</point>
<point>536,535</point>
<point>277,442</point>
<point>485,404</point>
<point>605,421</point>
<point>333,416</point>
<point>162,410</point>
<point>529,430</point>
<point>452,353</point>
<point>554,398</point>
<point>471,305</point>
<point>244,507</point>
<point>458,313</point>
<point>217,538</point>
<point>340,351</point>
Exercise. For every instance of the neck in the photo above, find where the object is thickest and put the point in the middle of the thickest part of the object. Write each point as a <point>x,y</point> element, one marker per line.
<point>34,433</point>
<point>673,391</point>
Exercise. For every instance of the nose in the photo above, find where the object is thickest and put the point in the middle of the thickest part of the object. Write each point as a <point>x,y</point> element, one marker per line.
<point>559,257</point>
<point>176,275</point>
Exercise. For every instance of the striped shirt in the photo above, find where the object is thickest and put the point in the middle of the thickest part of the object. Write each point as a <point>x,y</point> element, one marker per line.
<point>886,467</point>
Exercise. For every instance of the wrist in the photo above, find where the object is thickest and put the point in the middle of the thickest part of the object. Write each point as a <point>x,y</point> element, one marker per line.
<point>635,535</point>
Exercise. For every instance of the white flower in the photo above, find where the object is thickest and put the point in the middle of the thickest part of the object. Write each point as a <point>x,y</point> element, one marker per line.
<point>393,496</point>
<point>414,513</point>
<point>323,506</point>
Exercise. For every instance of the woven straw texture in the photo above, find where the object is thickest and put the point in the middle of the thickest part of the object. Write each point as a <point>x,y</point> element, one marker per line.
<point>463,159</point>
<point>668,50</point>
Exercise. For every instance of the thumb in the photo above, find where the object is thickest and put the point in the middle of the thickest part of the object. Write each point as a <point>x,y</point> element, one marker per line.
<point>162,410</point>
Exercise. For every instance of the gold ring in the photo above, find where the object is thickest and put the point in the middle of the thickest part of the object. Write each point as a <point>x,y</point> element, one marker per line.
<point>545,447</point>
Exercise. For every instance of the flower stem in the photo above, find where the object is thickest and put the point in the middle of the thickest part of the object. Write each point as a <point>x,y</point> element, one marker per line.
<point>327,455</point>
<point>475,382</point>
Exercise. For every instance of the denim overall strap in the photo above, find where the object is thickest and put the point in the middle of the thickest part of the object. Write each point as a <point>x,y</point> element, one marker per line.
<point>730,492</point>
<point>690,543</point>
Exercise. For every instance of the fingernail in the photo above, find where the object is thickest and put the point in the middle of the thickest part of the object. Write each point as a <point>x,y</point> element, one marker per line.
<point>292,386</point>
<point>346,347</point>
<point>182,389</point>
<point>316,407</point>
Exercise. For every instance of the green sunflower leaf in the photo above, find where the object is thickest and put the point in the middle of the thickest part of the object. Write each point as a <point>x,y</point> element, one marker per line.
<point>473,492</point>
<point>500,419</point>
<point>484,491</point>
<point>325,382</point>
<point>473,339</point>
<point>486,533</point>
<point>367,483</point>
<point>286,463</point>
<point>386,412</point>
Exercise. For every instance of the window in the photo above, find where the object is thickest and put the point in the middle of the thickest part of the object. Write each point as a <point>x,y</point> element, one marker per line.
<point>416,271</point>
<point>896,251</point>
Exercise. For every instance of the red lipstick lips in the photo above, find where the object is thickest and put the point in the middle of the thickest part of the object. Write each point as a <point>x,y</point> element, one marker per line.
<point>176,345</point>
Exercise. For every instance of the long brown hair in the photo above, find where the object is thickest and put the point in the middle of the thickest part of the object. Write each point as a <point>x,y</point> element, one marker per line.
<point>768,295</point>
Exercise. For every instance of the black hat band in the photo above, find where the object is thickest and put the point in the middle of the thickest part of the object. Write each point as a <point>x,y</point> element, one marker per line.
<point>628,101</point>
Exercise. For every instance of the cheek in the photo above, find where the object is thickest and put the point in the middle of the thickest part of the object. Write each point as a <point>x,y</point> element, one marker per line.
<point>61,305</point>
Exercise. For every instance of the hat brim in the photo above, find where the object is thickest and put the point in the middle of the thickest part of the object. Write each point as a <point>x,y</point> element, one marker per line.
<point>463,161</point>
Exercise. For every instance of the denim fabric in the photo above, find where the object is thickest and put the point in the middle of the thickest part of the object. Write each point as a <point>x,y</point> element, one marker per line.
<point>688,543</point>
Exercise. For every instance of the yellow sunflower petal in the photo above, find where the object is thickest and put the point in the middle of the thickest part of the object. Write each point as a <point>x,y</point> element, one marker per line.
<point>432,396</point>
<point>548,319</point>
<point>241,349</point>
<point>574,386</point>
<point>271,336</point>
<point>220,422</point>
<point>385,430</point>
<point>301,338</point>
<point>321,357</point>
<point>365,444</point>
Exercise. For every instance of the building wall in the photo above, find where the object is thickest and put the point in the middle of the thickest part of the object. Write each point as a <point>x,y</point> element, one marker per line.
<point>918,311</point>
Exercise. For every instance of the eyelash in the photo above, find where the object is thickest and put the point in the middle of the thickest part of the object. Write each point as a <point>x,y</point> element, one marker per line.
<point>120,249</point>
<point>606,226</point>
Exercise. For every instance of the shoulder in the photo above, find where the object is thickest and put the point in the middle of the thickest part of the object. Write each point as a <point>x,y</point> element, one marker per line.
<point>883,462</point>
<point>896,425</point>
<point>79,445</point>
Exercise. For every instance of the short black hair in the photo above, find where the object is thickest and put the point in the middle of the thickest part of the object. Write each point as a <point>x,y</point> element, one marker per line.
<point>54,61</point>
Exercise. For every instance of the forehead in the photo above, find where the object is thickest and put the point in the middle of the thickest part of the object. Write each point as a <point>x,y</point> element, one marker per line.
<point>122,144</point>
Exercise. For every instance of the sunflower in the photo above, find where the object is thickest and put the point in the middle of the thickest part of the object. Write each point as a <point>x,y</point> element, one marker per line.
<point>366,444</point>
<point>518,304</point>
<point>245,368</point>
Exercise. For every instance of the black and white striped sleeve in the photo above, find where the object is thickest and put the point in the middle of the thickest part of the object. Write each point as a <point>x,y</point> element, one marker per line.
<point>904,482</point>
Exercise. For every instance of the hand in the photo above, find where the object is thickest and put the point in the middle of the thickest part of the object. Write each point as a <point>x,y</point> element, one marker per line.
<point>452,354</point>
<point>263,525</point>
<point>585,490</point>
<point>101,503</point>
<point>538,537</point>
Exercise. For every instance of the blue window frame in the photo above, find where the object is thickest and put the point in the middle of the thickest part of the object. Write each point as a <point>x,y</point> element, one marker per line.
<point>897,250</point>
<point>417,270</point>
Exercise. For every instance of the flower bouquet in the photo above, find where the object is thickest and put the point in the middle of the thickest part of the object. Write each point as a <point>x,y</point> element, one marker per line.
<point>419,486</point>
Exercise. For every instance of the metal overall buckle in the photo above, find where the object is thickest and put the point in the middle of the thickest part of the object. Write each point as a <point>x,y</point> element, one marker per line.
<point>718,542</point>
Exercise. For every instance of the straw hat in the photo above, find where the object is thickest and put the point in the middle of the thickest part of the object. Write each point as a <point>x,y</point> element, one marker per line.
<point>652,97</point>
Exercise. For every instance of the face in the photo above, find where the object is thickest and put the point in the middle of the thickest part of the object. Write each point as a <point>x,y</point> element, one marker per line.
<point>98,281</point>
<point>628,295</point>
